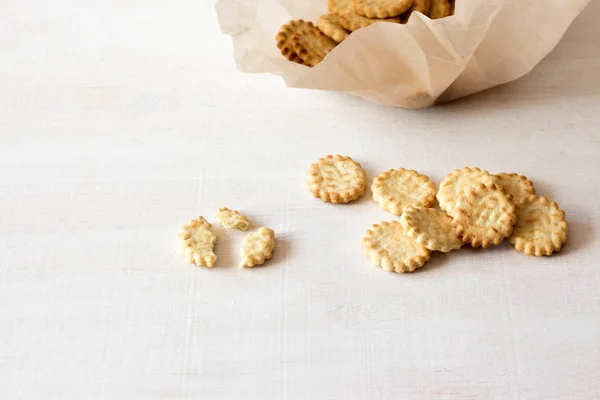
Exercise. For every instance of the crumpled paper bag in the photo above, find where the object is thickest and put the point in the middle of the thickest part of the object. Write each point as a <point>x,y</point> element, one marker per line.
<point>486,43</point>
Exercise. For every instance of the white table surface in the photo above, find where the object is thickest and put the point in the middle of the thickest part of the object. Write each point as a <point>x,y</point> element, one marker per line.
<point>121,120</point>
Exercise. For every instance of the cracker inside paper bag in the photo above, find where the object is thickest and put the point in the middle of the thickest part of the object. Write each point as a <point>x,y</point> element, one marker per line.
<point>413,65</point>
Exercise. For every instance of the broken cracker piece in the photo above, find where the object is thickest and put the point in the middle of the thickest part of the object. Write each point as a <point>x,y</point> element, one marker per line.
<point>389,247</point>
<point>232,219</point>
<point>197,242</point>
<point>257,247</point>
<point>430,227</point>
<point>484,216</point>
<point>336,179</point>
<point>541,227</point>
<point>399,188</point>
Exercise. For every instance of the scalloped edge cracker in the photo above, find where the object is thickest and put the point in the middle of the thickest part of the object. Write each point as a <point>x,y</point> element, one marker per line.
<point>330,26</point>
<point>336,179</point>
<point>389,247</point>
<point>399,188</point>
<point>541,227</point>
<point>484,216</point>
<point>432,228</point>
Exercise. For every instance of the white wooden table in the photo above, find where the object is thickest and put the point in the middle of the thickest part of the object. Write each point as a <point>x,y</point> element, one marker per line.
<point>121,120</point>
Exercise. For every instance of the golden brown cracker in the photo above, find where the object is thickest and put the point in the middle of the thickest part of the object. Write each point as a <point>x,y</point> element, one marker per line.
<point>389,247</point>
<point>381,8</point>
<point>285,36</point>
<point>541,227</point>
<point>397,189</point>
<point>457,182</point>
<point>341,7</point>
<point>518,186</point>
<point>330,26</point>
<point>336,179</point>
<point>430,227</point>
<point>312,45</point>
<point>484,216</point>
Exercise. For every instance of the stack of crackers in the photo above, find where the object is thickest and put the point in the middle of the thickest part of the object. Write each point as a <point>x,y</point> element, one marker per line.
<point>304,43</point>
<point>475,208</point>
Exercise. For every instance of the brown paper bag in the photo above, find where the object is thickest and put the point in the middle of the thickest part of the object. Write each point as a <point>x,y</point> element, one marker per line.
<point>486,43</point>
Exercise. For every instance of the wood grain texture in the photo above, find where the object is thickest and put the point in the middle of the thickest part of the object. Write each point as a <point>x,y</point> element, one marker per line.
<point>120,121</point>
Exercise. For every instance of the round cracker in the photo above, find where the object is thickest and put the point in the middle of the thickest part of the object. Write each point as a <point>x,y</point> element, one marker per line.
<point>336,179</point>
<point>541,228</point>
<point>381,8</point>
<point>430,227</point>
<point>459,181</point>
<point>439,9</point>
<point>389,247</point>
<point>330,26</point>
<point>397,189</point>
<point>312,45</point>
<point>484,216</point>
<point>285,37</point>
<point>518,186</point>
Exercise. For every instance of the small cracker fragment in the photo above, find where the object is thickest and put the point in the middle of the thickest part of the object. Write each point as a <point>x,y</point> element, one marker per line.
<point>197,242</point>
<point>541,228</point>
<point>232,219</point>
<point>336,179</point>
<point>484,216</point>
<point>397,189</point>
<point>389,247</point>
<point>457,182</point>
<point>381,8</point>
<point>354,22</point>
<point>312,45</point>
<point>439,9</point>
<point>518,186</point>
<point>430,227</point>
<point>285,36</point>
<point>330,26</point>
<point>257,247</point>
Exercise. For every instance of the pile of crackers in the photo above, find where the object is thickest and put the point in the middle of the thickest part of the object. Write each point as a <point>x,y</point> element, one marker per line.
<point>476,208</point>
<point>304,43</point>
